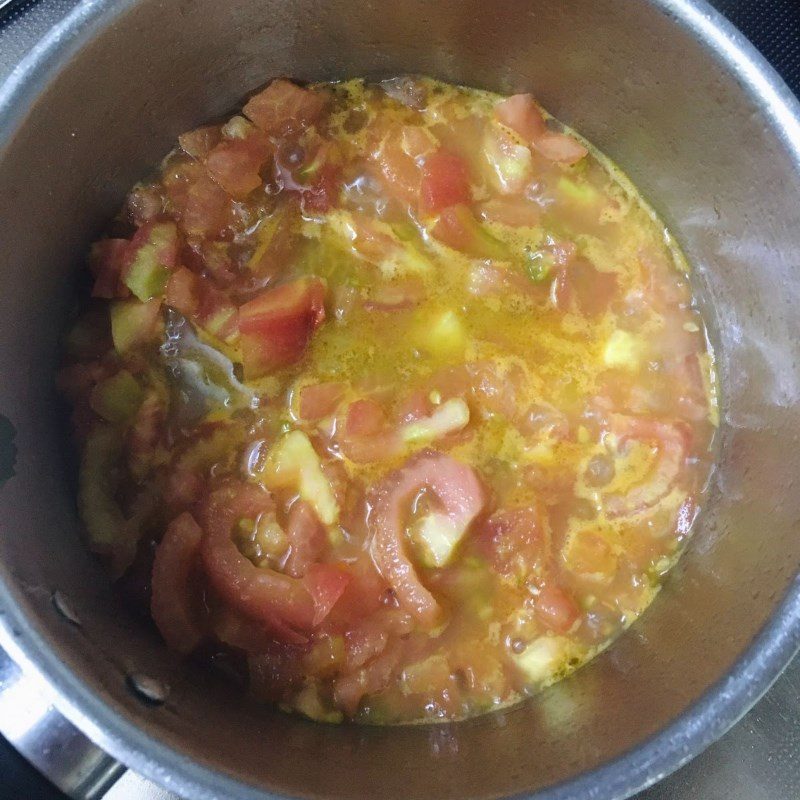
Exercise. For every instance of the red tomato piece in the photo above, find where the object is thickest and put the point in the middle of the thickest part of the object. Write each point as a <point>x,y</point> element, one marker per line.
<point>277,600</point>
<point>398,296</point>
<point>106,262</point>
<point>511,211</point>
<point>583,288</point>
<point>320,400</point>
<point>458,228</point>
<point>276,326</point>
<point>307,540</point>
<point>198,143</point>
<point>462,498</point>
<point>235,164</point>
<point>365,417</point>
<point>207,208</point>
<point>283,107</point>
<point>399,170</point>
<point>174,600</point>
<point>555,608</point>
<point>520,113</point>
<point>512,540</point>
<point>560,147</point>
<point>183,292</point>
<point>326,584</point>
<point>672,440</point>
<point>445,182</point>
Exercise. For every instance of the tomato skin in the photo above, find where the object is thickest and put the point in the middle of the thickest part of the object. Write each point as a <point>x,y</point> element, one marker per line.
<point>277,326</point>
<point>173,599</point>
<point>283,108</point>
<point>445,182</point>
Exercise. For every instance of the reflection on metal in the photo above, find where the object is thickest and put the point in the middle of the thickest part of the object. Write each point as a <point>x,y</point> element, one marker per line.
<point>52,744</point>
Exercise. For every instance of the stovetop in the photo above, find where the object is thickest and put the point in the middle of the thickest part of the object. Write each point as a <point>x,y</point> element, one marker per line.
<point>759,758</point>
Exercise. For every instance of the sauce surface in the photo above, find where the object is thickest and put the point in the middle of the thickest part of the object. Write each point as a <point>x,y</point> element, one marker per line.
<point>390,398</point>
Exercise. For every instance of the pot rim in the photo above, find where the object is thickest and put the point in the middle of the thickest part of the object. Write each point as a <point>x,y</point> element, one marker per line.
<point>718,709</point>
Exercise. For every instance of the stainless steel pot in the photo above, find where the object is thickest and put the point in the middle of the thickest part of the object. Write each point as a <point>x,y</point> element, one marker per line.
<point>711,136</point>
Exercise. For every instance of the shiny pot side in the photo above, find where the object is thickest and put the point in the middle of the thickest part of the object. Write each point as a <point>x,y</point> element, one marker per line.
<point>710,136</point>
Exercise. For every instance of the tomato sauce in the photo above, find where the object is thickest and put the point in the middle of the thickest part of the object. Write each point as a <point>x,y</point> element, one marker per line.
<point>393,395</point>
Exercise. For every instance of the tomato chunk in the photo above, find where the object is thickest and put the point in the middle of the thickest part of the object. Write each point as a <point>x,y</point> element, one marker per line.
<point>106,261</point>
<point>555,608</point>
<point>326,584</point>
<point>276,326</point>
<point>319,400</point>
<point>445,182</point>
<point>520,113</point>
<point>235,164</point>
<point>513,541</point>
<point>457,488</point>
<point>276,600</point>
<point>283,107</point>
<point>174,603</point>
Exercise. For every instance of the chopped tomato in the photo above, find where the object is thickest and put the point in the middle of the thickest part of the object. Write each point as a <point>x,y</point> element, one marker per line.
<point>457,489</point>
<point>555,608</point>
<point>106,261</point>
<point>560,147</point>
<point>326,584</point>
<point>277,600</point>
<point>445,182</point>
<point>207,208</point>
<point>319,400</point>
<point>235,164</point>
<point>321,193</point>
<point>183,292</point>
<point>307,540</point>
<point>203,303</point>
<point>400,172</point>
<point>283,108</point>
<point>520,113</point>
<point>276,326</point>
<point>458,228</point>
<point>512,211</point>
<point>672,440</point>
<point>350,689</point>
<point>365,417</point>
<point>198,143</point>
<point>583,288</point>
<point>397,296</point>
<point>513,541</point>
<point>174,602</point>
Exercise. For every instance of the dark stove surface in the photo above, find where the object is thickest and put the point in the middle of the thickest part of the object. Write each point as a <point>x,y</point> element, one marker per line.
<point>759,759</point>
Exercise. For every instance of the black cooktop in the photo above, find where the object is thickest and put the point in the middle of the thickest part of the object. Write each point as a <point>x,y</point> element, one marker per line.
<point>759,758</point>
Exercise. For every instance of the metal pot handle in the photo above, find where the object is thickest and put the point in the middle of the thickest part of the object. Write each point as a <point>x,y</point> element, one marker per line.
<point>48,740</point>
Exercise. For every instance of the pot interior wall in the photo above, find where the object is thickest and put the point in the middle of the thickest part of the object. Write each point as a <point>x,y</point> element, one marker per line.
<point>647,94</point>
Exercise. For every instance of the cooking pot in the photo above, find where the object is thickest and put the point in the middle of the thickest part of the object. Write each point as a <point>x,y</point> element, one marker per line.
<point>709,134</point>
